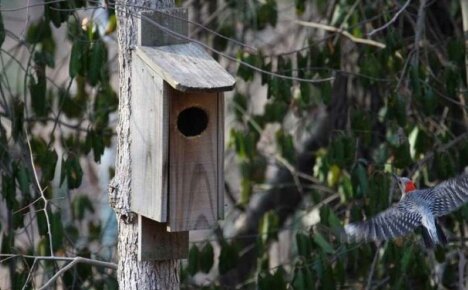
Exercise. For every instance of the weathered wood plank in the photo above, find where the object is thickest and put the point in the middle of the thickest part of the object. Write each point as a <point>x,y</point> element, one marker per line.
<point>187,67</point>
<point>149,141</point>
<point>150,34</point>
<point>220,156</point>
<point>156,243</point>
<point>194,165</point>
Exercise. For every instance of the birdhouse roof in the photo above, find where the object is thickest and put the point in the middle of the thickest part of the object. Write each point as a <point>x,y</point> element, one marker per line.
<point>186,67</point>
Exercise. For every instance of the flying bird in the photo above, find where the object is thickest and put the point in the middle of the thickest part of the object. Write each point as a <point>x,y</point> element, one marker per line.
<point>416,208</point>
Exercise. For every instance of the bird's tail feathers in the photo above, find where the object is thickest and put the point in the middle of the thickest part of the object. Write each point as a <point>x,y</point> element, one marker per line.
<point>428,242</point>
<point>440,234</point>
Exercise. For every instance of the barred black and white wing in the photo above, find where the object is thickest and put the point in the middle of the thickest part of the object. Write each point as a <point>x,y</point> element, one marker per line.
<point>394,222</point>
<point>449,195</point>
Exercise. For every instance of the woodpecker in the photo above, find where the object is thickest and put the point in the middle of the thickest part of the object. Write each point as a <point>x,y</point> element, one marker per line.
<point>416,208</point>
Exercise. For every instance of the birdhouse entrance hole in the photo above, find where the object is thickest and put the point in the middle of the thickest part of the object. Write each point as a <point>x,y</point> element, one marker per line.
<point>192,121</point>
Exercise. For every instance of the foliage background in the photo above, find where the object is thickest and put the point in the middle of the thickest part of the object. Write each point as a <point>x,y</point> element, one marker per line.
<point>315,126</point>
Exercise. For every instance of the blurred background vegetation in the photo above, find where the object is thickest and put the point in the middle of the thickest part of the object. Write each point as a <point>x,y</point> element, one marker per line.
<point>331,97</point>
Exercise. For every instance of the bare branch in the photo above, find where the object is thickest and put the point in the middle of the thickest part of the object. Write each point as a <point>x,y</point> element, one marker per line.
<point>373,266</point>
<point>394,18</point>
<point>49,231</point>
<point>443,148</point>
<point>342,32</point>
<point>73,261</point>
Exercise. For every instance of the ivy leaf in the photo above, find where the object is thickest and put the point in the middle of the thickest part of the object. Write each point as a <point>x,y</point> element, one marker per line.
<point>98,58</point>
<point>80,205</point>
<point>228,258</point>
<point>303,278</point>
<point>206,258</point>
<point>71,170</point>
<point>57,230</point>
<point>193,260</point>
<point>304,247</point>
<point>269,226</point>
<point>323,244</point>
<point>38,89</point>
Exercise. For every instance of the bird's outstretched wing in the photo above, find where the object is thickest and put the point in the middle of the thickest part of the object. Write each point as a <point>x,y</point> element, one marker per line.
<point>394,222</point>
<point>449,195</point>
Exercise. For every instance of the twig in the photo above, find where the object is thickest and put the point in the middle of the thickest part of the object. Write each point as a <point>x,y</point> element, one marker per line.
<point>443,148</point>
<point>342,32</point>
<point>394,18</point>
<point>461,270</point>
<point>49,231</point>
<point>418,33</point>
<point>75,261</point>
<point>372,269</point>
<point>29,274</point>
<point>229,57</point>
<point>58,258</point>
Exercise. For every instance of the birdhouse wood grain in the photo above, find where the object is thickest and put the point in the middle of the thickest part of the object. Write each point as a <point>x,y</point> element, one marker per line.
<point>177,129</point>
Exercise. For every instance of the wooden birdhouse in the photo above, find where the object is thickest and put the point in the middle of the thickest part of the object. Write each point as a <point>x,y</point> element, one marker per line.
<point>177,129</point>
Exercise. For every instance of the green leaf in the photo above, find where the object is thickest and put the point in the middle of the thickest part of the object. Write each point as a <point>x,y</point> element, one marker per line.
<point>227,30</point>
<point>71,170</point>
<point>300,6</point>
<point>78,57</point>
<point>81,204</point>
<point>359,179</point>
<point>402,156</point>
<point>361,125</point>
<point>193,260</point>
<point>18,118</point>
<point>38,89</point>
<point>304,246</point>
<point>38,32</point>
<point>303,278</point>
<point>269,226</point>
<point>275,111</point>
<point>333,221</point>
<point>206,258</point>
<point>22,176</point>
<point>286,145</point>
<point>267,14</point>
<point>228,258</point>
<point>323,244</point>
<point>240,106</point>
<point>97,62</point>
<point>57,230</point>
<point>405,261</point>
<point>245,72</point>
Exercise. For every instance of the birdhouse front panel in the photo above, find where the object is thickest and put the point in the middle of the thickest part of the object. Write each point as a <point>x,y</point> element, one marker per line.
<point>195,159</point>
<point>148,144</point>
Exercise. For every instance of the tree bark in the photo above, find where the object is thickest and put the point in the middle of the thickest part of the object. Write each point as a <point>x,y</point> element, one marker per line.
<point>464,8</point>
<point>133,274</point>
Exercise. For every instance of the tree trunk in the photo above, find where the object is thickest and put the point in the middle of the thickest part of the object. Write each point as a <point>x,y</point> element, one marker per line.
<point>133,274</point>
<point>464,8</point>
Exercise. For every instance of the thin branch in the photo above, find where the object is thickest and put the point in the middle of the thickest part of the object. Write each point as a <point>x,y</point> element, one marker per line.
<point>373,266</point>
<point>59,258</point>
<point>419,31</point>
<point>75,261</point>
<point>461,270</point>
<point>394,18</point>
<point>29,274</point>
<point>443,148</point>
<point>231,58</point>
<point>49,231</point>
<point>342,32</point>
